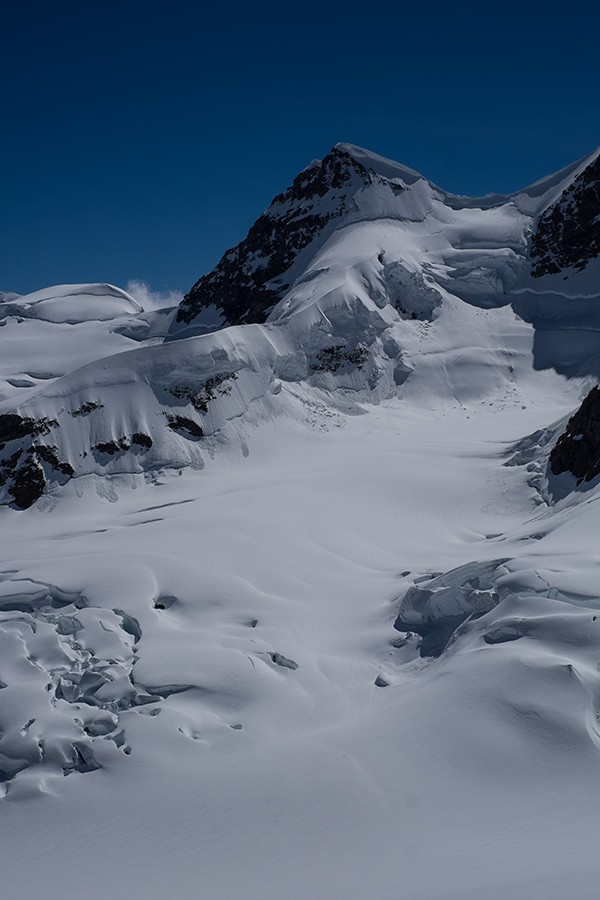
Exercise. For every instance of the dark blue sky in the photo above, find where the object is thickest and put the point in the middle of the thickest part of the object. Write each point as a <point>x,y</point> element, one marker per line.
<point>140,140</point>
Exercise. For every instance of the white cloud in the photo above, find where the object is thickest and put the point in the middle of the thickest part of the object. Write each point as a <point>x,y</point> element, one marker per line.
<point>149,299</point>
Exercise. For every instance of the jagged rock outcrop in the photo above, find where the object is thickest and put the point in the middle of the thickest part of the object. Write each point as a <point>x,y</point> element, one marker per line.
<point>578,448</point>
<point>567,234</point>
<point>26,466</point>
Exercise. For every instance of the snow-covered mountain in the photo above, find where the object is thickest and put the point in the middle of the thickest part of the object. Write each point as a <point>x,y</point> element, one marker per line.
<point>300,577</point>
<point>343,283</point>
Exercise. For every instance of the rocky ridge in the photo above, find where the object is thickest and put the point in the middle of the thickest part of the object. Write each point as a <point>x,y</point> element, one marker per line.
<point>578,448</point>
<point>252,277</point>
<point>567,234</point>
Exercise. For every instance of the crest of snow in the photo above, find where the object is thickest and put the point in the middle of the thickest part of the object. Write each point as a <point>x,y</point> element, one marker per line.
<point>387,168</point>
<point>53,331</point>
<point>541,194</point>
<point>71,303</point>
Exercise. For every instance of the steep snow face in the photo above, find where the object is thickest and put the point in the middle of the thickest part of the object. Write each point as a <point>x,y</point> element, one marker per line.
<point>54,331</point>
<point>44,337</point>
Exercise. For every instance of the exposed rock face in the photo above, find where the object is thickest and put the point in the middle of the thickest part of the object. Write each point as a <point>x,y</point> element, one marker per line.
<point>186,427</point>
<point>13,427</point>
<point>578,448</point>
<point>200,396</point>
<point>26,468</point>
<point>27,473</point>
<point>250,278</point>
<point>567,235</point>
<point>28,482</point>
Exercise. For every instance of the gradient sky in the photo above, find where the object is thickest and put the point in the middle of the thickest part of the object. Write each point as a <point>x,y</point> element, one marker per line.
<point>140,140</point>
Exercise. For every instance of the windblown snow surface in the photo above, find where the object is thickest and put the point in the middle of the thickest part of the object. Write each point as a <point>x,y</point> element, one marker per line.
<point>342,639</point>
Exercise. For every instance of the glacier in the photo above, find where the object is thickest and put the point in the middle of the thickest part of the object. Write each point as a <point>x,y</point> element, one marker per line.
<point>290,597</point>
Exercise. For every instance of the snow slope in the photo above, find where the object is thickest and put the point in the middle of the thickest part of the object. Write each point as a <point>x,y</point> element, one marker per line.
<point>308,615</point>
<point>52,332</point>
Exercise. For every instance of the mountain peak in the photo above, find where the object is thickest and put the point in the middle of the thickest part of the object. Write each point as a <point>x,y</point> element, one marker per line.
<point>351,184</point>
<point>335,171</point>
<point>385,168</point>
<point>252,277</point>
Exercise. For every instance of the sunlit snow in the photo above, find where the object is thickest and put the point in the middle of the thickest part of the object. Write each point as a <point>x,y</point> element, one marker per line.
<point>344,643</point>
